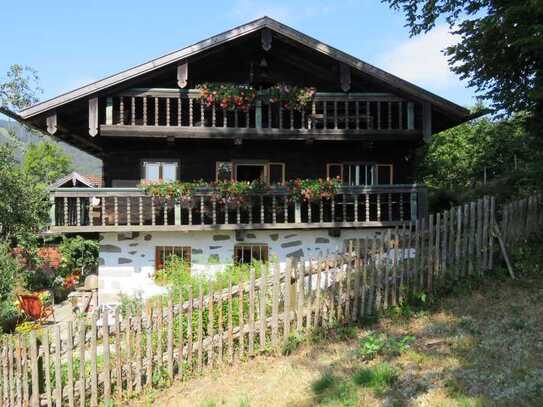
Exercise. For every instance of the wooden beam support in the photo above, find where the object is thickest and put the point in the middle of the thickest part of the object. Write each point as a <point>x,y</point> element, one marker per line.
<point>249,226</point>
<point>219,133</point>
<point>345,77</point>
<point>497,233</point>
<point>93,117</point>
<point>299,62</point>
<point>65,134</point>
<point>182,75</point>
<point>52,123</point>
<point>410,115</point>
<point>426,122</point>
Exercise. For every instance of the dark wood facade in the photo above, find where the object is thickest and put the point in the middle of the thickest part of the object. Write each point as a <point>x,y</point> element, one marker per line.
<point>197,158</point>
<point>152,112</point>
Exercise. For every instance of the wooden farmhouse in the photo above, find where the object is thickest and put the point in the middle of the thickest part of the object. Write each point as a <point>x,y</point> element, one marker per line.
<point>261,103</point>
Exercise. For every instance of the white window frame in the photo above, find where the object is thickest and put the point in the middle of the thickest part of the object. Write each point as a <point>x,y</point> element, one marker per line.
<point>160,162</point>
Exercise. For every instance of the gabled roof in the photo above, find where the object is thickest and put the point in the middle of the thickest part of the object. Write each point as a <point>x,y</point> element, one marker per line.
<point>90,181</point>
<point>230,35</point>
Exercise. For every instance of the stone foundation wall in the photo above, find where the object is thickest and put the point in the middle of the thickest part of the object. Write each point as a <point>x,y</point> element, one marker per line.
<point>127,260</point>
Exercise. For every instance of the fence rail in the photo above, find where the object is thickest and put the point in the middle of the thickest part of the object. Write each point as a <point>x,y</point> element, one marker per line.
<point>111,355</point>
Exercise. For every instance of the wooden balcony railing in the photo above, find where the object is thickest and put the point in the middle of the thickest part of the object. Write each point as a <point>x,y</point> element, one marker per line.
<point>176,110</point>
<point>130,209</point>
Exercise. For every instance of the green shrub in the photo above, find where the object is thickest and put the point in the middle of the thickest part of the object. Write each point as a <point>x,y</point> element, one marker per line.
<point>38,279</point>
<point>78,254</point>
<point>346,332</point>
<point>375,344</point>
<point>372,345</point>
<point>292,343</point>
<point>9,268</point>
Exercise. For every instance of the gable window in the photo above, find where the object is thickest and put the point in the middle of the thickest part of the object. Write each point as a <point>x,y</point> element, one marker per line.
<point>361,174</point>
<point>164,253</point>
<point>249,253</point>
<point>155,171</point>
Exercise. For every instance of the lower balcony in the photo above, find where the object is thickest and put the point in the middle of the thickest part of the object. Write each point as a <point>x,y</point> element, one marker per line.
<point>76,210</point>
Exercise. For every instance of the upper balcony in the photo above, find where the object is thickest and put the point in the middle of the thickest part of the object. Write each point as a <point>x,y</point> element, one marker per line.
<point>329,116</point>
<point>76,210</point>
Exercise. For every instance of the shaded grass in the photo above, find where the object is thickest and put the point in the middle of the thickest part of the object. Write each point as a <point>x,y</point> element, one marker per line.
<point>379,378</point>
<point>330,389</point>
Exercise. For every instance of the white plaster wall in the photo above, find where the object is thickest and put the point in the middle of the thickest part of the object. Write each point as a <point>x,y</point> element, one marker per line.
<point>127,259</point>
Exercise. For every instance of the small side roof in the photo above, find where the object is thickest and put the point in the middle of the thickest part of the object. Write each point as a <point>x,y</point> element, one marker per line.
<point>72,180</point>
<point>230,35</point>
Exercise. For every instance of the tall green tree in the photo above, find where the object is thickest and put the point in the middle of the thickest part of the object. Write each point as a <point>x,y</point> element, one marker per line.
<point>19,88</point>
<point>500,51</point>
<point>481,157</point>
<point>23,203</point>
<point>46,162</point>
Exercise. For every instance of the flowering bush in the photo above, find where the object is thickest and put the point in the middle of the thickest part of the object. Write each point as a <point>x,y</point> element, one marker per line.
<point>291,97</point>
<point>234,193</point>
<point>181,192</point>
<point>70,281</point>
<point>238,194</point>
<point>229,96</point>
<point>313,190</point>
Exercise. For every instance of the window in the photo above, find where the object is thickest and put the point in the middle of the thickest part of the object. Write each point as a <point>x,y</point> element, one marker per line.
<point>160,170</point>
<point>276,173</point>
<point>361,173</point>
<point>250,170</point>
<point>248,253</point>
<point>163,253</point>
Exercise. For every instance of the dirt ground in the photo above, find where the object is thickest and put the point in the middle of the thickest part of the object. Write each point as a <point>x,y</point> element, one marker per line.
<point>482,345</point>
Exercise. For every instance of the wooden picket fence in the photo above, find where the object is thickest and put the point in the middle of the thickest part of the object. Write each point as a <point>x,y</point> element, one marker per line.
<point>109,356</point>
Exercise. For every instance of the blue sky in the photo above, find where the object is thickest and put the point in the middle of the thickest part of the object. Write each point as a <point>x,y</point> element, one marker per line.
<point>71,43</point>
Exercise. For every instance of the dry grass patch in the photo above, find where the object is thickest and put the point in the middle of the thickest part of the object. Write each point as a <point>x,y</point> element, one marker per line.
<point>479,346</point>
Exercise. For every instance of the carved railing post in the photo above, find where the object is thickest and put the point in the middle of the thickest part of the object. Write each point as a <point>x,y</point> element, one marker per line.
<point>177,213</point>
<point>52,210</point>
<point>413,204</point>
<point>297,212</point>
<point>258,114</point>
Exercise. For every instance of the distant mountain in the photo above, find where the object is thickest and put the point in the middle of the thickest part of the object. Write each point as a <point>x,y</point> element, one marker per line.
<point>83,163</point>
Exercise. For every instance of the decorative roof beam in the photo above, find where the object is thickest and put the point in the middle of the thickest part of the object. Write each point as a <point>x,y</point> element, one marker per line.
<point>52,123</point>
<point>266,39</point>
<point>93,117</point>
<point>182,75</point>
<point>345,77</point>
<point>427,122</point>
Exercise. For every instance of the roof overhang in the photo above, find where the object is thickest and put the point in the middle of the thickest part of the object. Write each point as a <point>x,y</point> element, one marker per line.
<point>404,86</point>
<point>73,177</point>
